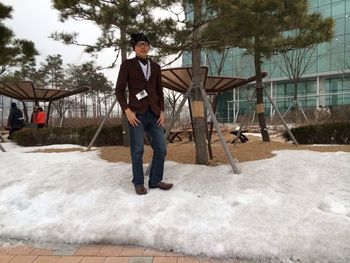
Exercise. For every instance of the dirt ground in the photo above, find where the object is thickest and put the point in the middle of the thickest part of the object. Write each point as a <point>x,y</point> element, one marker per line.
<point>184,151</point>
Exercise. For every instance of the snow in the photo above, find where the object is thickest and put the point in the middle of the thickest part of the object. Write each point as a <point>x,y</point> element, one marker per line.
<point>294,206</point>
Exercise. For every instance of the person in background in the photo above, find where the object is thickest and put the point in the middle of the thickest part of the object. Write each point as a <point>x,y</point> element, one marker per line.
<point>144,110</point>
<point>15,121</point>
<point>33,117</point>
<point>40,118</point>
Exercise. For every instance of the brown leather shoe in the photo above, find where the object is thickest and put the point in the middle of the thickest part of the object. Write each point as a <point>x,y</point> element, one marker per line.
<point>140,190</point>
<point>163,186</point>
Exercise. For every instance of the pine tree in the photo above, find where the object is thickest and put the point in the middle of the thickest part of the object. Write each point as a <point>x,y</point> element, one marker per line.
<point>264,28</point>
<point>198,15</point>
<point>13,52</point>
<point>117,20</point>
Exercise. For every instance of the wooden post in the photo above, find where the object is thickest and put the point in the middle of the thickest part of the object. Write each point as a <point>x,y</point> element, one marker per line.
<point>281,117</point>
<point>2,148</point>
<point>3,140</point>
<point>48,114</point>
<point>101,125</point>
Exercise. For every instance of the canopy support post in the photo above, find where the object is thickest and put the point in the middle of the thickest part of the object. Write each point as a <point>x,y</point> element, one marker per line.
<point>233,163</point>
<point>101,125</point>
<point>281,117</point>
<point>250,99</point>
<point>3,140</point>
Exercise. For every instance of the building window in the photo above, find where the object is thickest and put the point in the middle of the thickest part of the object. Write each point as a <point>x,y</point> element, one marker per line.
<point>313,3</point>
<point>324,63</point>
<point>338,9</point>
<point>339,27</point>
<point>325,10</point>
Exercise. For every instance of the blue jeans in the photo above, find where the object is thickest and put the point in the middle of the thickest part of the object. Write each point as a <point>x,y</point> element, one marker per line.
<point>148,124</point>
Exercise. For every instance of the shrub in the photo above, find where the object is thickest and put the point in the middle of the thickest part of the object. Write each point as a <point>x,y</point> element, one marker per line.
<point>109,135</point>
<point>327,133</point>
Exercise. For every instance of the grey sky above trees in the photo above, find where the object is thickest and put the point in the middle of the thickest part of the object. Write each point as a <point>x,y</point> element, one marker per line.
<point>35,20</point>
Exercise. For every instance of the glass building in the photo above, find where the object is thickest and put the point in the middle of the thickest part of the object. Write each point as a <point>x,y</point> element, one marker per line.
<point>325,82</point>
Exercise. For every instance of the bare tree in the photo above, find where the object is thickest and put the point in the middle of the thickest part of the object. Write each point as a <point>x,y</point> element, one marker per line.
<point>295,63</point>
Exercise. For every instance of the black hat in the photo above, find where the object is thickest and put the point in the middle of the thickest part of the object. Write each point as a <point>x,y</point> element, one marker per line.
<point>13,105</point>
<point>138,37</point>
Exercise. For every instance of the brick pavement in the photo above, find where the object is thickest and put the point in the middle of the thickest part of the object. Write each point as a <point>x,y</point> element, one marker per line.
<point>97,254</point>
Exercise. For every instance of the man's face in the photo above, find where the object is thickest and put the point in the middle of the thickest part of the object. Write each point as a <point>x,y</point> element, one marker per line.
<point>141,49</point>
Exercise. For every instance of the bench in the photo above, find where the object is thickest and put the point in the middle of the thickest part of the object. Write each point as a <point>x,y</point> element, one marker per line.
<point>242,137</point>
<point>190,134</point>
<point>174,134</point>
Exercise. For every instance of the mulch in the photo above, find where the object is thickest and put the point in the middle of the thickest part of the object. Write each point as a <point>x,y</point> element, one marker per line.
<point>185,151</point>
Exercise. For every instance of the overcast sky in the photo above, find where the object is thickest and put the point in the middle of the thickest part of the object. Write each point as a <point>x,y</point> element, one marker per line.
<point>35,20</point>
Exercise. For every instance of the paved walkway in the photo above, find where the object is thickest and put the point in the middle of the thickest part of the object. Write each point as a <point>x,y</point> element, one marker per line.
<point>96,254</point>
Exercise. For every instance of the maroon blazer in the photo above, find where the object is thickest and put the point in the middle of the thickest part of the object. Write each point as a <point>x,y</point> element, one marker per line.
<point>131,75</point>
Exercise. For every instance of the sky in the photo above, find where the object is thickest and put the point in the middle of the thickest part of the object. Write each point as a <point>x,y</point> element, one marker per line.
<point>294,207</point>
<point>36,20</point>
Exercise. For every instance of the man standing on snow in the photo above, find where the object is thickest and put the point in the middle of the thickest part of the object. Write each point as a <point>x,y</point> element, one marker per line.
<point>144,111</point>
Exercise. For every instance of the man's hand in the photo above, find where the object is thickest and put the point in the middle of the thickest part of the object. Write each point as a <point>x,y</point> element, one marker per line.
<point>161,120</point>
<point>133,120</point>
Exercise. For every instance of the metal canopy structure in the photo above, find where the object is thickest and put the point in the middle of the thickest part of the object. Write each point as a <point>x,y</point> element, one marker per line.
<point>179,79</point>
<point>25,91</point>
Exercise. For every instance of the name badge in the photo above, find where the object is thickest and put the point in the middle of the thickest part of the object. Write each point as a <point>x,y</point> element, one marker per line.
<point>142,94</point>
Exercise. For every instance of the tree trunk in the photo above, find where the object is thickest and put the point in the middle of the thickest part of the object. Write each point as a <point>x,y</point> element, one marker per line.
<point>94,105</point>
<point>75,105</point>
<point>199,122</point>
<point>106,104</point>
<point>81,105</point>
<point>295,100</point>
<point>99,113</point>
<point>85,106</point>
<point>260,99</point>
<point>126,136</point>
